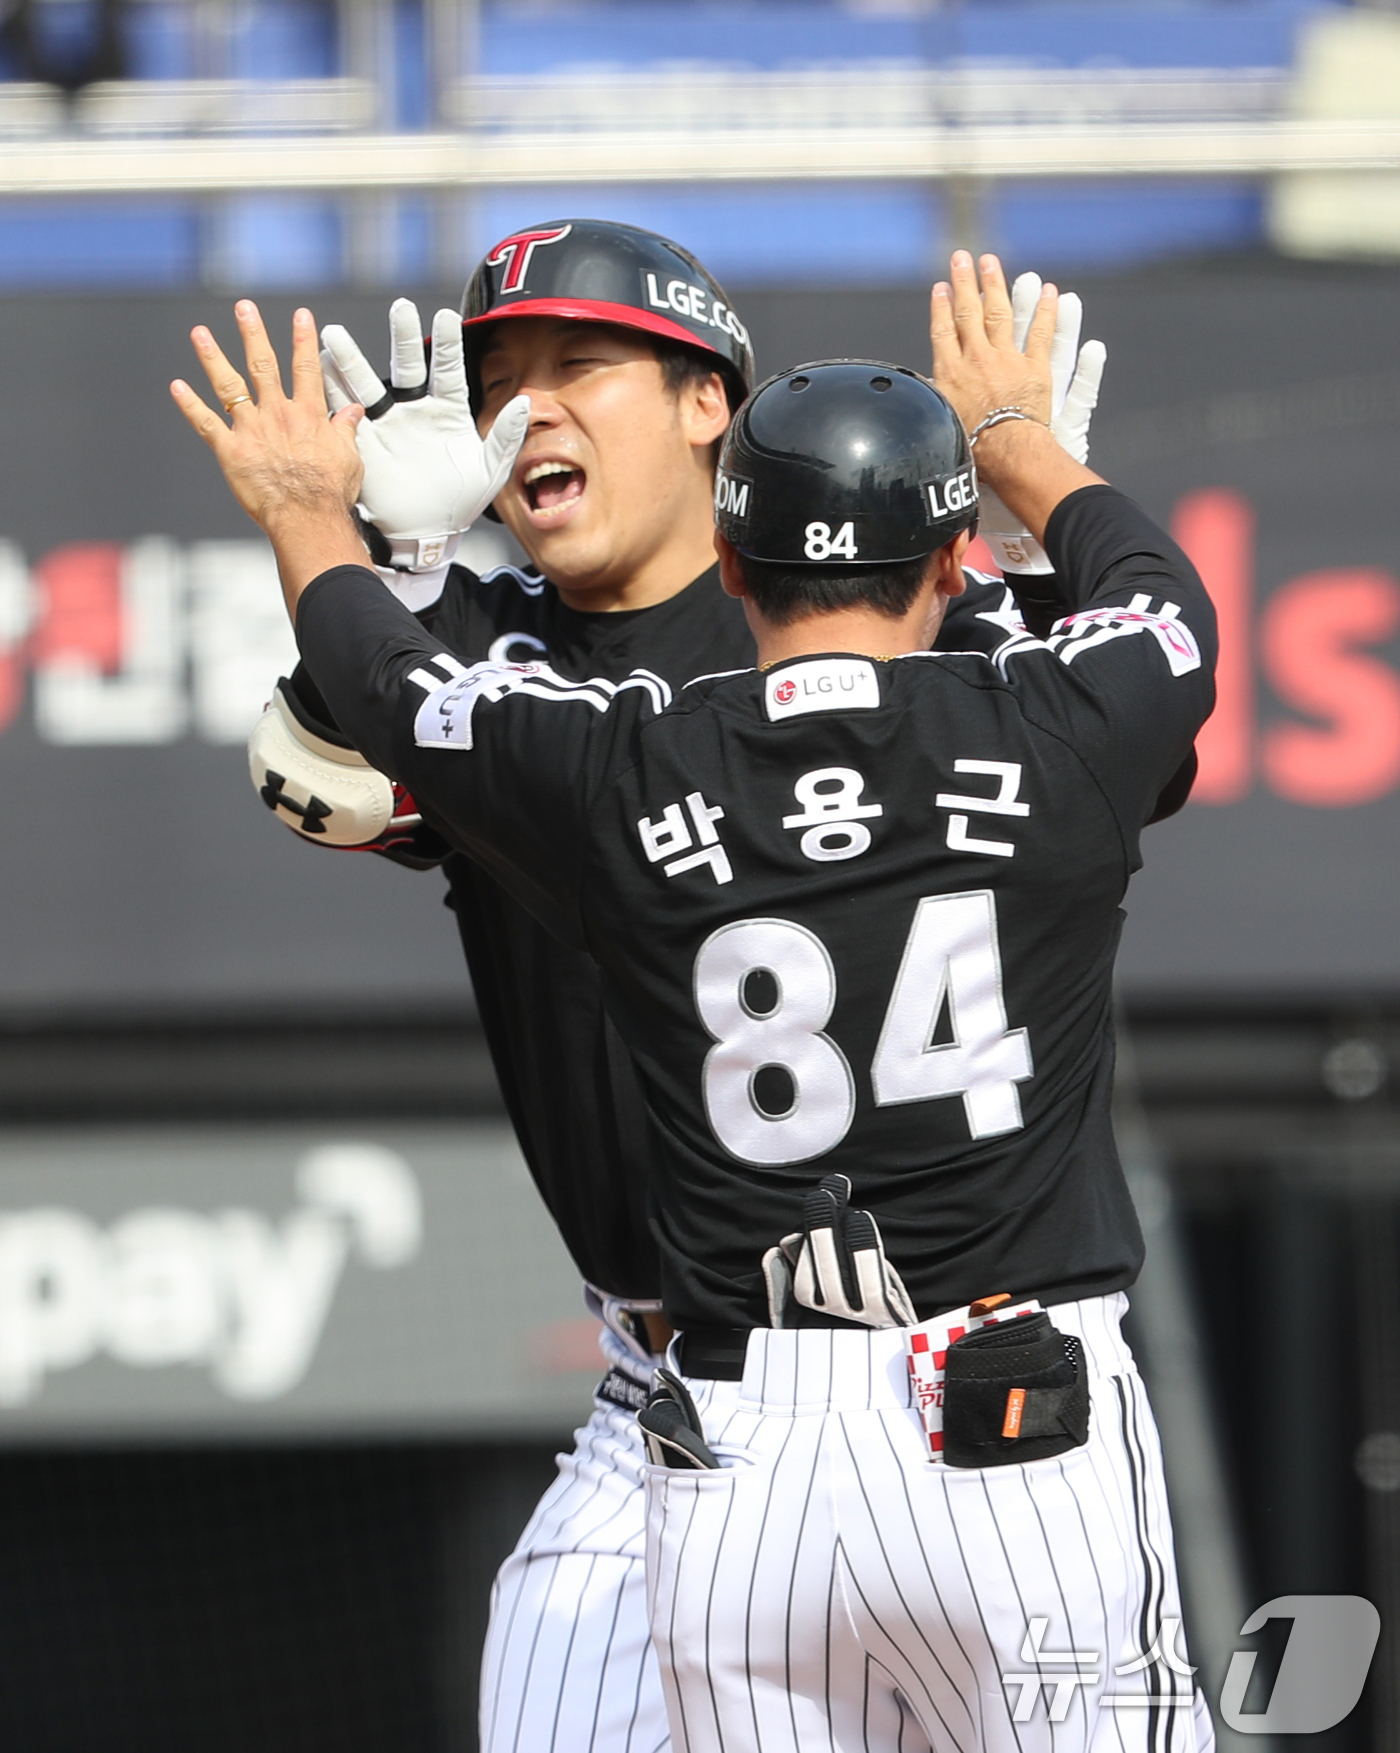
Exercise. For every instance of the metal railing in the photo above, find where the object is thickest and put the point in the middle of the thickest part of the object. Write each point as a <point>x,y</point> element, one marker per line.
<point>692,122</point>
<point>204,164</point>
<point>163,107</point>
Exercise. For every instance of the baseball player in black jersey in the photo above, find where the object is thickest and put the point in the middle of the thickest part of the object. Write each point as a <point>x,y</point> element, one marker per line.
<point>631,358</point>
<point>568,1636</point>
<point>975,1137</point>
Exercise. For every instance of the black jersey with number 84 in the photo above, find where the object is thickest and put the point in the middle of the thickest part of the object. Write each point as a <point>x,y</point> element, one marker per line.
<point>852,915</point>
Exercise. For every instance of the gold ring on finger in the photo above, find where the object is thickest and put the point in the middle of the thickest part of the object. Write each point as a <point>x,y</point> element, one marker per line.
<point>230,406</point>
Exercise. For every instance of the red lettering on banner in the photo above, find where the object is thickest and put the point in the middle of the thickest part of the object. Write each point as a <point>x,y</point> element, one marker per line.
<point>11,684</point>
<point>1311,630</point>
<point>80,605</point>
<point>1216,530</point>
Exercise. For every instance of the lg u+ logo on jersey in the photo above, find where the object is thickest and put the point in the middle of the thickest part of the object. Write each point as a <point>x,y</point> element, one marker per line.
<point>1318,1685</point>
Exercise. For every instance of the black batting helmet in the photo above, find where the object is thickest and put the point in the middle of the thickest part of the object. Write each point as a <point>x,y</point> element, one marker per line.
<point>595,270</point>
<point>845,462</point>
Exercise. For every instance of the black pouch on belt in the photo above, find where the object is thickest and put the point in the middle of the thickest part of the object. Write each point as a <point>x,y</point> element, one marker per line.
<point>1016,1391</point>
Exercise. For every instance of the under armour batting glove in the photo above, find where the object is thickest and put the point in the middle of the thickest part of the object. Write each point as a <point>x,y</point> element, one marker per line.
<point>428,473</point>
<point>836,1265</point>
<point>1076,373</point>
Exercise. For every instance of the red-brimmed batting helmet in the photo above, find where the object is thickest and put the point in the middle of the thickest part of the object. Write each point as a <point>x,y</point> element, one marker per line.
<point>597,271</point>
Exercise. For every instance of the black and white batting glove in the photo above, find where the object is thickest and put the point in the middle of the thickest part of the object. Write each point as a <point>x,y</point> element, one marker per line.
<point>671,1428</point>
<point>836,1265</point>
<point>428,473</point>
<point>1075,373</point>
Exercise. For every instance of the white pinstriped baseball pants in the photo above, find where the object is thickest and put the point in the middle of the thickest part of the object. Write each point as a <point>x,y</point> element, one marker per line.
<point>830,1566</point>
<point>568,1665</point>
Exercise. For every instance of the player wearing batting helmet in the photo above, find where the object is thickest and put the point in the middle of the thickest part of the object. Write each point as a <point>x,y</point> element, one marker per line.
<point>628,352</point>
<point>855,912</point>
<point>632,359</point>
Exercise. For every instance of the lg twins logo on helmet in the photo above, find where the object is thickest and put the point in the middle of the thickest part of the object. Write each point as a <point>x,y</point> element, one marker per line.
<point>959,494</point>
<point>732,495</point>
<point>515,253</point>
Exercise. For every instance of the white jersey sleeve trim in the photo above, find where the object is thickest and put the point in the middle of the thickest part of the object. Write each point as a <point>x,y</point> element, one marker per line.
<point>444,720</point>
<point>1090,629</point>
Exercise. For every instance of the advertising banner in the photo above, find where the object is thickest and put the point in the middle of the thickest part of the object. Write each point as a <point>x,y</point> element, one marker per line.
<point>1252,406</point>
<point>224,1282</point>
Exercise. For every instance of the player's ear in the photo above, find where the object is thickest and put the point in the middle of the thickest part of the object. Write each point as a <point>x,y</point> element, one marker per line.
<point>947,563</point>
<point>730,577</point>
<point>705,410</point>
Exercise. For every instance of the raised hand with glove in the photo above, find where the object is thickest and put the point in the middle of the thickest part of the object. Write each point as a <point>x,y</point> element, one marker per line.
<point>428,472</point>
<point>1076,373</point>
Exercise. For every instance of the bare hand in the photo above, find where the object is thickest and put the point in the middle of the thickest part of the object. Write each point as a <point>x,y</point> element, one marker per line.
<point>284,459</point>
<point>976,362</point>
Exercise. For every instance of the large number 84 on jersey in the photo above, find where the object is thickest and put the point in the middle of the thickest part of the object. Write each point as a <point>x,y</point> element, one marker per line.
<point>951,954</point>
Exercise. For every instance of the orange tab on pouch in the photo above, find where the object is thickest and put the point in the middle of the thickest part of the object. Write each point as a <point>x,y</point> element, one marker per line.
<point>984,1305</point>
<point>1015,1405</point>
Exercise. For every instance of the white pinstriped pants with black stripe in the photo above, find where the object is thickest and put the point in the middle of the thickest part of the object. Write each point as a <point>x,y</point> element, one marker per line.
<point>830,1567</point>
<point>568,1665</point>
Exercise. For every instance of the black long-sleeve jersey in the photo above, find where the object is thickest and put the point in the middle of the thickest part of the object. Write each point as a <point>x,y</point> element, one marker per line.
<point>569,1086</point>
<point>850,915</point>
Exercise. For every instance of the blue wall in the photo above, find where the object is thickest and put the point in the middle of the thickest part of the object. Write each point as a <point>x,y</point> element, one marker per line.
<point>780,234</point>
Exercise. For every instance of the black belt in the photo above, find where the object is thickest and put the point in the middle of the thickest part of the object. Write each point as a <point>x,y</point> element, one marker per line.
<point>714,1354</point>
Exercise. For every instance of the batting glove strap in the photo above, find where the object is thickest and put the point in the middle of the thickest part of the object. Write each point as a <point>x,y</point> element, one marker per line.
<point>423,554</point>
<point>1013,547</point>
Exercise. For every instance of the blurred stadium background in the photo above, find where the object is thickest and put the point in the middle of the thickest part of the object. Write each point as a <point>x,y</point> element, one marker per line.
<point>286,1342</point>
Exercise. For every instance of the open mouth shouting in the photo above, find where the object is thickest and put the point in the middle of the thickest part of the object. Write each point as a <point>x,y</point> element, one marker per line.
<point>552,488</point>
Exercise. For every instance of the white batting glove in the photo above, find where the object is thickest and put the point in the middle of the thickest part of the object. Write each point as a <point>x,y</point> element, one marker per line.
<point>1075,374</point>
<point>836,1265</point>
<point>428,473</point>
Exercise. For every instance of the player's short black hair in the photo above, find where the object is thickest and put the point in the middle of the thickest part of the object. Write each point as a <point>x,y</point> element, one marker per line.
<point>682,366</point>
<point>784,593</point>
